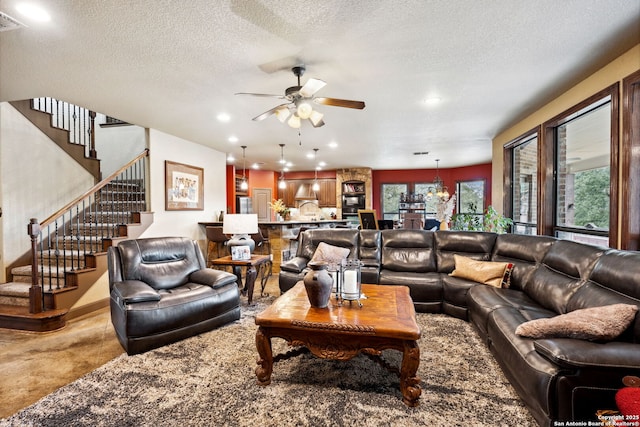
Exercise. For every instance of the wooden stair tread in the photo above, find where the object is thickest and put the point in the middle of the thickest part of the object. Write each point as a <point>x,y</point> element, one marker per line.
<point>23,312</point>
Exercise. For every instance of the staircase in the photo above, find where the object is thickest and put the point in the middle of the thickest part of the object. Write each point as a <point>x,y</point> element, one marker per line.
<point>69,251</point>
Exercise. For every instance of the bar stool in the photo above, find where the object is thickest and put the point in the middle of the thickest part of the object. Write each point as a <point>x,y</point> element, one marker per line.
<point>215,235</point>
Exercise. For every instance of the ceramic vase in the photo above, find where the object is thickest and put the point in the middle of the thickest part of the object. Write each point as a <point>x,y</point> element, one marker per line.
<point>318,283</point>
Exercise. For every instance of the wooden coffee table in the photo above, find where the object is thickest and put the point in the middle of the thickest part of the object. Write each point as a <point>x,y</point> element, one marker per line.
<point>387,320</point>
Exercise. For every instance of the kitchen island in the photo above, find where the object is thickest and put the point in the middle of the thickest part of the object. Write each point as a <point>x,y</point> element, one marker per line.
<point>281,233</point>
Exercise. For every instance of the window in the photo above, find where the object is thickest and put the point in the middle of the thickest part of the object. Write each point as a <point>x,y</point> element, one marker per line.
<point>524,189</point>
<point>470,197</point>
<point>390,200</point>
<point>583,174</point>
<point>430,202</point>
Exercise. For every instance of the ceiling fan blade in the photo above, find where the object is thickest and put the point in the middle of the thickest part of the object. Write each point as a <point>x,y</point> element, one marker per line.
<point>268,113</point>
<point>318,124</point>
<point>311,87</point>
<point>264,95</point>
<point>340,103</point>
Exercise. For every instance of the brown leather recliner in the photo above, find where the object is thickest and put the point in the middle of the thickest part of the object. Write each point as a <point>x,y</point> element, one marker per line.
<point>162,292</point>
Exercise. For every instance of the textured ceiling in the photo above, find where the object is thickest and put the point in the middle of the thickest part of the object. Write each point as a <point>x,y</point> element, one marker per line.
<point>174,65</point>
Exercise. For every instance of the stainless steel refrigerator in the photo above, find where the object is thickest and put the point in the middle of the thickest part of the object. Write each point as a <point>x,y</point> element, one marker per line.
<point>243,205</point>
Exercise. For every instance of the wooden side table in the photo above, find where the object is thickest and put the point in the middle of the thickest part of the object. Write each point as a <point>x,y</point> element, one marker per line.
<point>252,265</point>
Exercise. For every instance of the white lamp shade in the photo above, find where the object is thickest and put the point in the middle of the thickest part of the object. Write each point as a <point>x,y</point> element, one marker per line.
<point>294,121</point>
<point>316,117</point>
<point>282,114</point>
<point>235,224</point>
<point>282,184</point>
<point>304,110</point>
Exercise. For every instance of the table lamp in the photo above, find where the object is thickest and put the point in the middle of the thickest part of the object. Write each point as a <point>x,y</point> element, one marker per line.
<point>239,226</point>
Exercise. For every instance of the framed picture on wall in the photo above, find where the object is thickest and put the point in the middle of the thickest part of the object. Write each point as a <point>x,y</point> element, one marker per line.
<point>368,219</point>
<point>184,187</point>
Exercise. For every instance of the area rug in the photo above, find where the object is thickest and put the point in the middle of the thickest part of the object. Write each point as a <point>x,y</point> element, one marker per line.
<point>209,380</point>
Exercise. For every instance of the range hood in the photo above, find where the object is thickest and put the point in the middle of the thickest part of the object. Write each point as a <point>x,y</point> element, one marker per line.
<point>304,191</point>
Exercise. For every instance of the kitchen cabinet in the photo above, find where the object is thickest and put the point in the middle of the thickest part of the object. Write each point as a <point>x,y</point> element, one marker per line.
<point>288,194</point>
<point>327,193</point>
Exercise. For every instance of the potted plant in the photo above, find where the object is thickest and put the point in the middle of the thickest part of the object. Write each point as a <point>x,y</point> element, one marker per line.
<point>491,220</point>
<point>280,209</point>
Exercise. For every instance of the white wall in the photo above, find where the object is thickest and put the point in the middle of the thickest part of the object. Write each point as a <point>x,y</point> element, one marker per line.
<point>164,147</point>
<point>116,145</point>
<point>36,179</point>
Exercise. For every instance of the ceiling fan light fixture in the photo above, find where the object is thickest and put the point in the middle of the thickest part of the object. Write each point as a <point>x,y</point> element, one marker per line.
<point>282,113</point>
<point>311,87</point>
<point>316,117</point>
<point>294,121</point>
<point>304,110</point>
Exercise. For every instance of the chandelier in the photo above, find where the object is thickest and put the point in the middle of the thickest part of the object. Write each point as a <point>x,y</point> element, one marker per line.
<point>438,186</point>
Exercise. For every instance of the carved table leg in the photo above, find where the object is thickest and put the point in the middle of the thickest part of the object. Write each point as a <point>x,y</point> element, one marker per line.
<point>250,282</point>
<point>409,382</point>
<point>265,360</point>
<point>237,270</point>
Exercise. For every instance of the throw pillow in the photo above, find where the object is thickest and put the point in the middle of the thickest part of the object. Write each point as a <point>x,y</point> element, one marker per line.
<point>594,324</point>
<point>329,254</point>
<point>487,272</point>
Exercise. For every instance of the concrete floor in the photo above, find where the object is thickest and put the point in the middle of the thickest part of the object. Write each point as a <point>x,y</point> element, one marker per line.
<point>33,365</point>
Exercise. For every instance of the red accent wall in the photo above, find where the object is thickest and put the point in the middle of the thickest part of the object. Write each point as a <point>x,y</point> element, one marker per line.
<point>231,189</point>
<point>449,176</point>
<point>263,179</point>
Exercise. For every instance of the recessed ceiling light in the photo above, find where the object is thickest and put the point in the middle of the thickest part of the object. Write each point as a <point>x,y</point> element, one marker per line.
<point>34,12</point>
<point>233,139</point>
<point>322,164</point>
<point>289,164</point>
<point>432,100</point>
<point>333,144</point>
<point>223,117</point>
<point>230,158</point>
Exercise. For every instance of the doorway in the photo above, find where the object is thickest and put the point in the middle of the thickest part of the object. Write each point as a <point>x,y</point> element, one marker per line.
<point>261,197</point>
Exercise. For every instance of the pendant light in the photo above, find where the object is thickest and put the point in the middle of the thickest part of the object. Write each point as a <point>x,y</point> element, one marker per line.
<point>244,185</point>
<point>316,186</point>
<point>282,184</point>
<point>440,188</point>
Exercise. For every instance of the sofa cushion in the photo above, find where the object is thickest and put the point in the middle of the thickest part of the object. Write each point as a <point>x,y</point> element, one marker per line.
<point>476,245</point>
<point>613,280</point>
<point>408,250</point>
<point>369,250</point>
<point>483,300</point>
<point>161,263</point>
<point>342,237</point>
<point>564,268</point>
<point>525,252</point>
<point>329,253</point>
<point>487,272</point>
<point>593,324</point>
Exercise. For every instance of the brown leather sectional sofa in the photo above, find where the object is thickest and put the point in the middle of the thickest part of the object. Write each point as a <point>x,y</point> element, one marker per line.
<point>559,379</point>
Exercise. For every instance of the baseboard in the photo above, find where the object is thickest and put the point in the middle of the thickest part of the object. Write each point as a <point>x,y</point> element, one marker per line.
<point>86,309</point>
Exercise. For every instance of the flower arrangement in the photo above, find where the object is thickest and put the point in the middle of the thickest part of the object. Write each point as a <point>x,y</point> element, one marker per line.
<point>444,208</point>
<point>280,208</point>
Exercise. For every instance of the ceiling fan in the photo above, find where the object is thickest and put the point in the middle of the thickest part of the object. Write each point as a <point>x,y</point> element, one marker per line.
<point>298,106</point>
